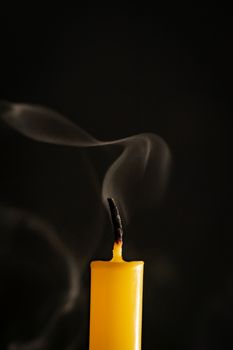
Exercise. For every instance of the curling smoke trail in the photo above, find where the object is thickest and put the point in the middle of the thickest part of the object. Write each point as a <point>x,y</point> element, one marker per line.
<point>144,159</point>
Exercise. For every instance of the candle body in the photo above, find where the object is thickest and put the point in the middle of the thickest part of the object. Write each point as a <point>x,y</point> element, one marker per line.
<point>116,305</point>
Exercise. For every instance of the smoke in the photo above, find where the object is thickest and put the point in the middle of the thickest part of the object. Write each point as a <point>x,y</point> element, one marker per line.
<point>138,175</point>
<point>136,178</point>
<point>32,251</point>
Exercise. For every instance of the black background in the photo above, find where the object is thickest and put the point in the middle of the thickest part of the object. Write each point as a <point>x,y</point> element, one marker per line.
<point>117,72</point>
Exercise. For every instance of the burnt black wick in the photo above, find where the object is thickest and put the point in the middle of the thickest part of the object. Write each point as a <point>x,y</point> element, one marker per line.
<point>116,220</point>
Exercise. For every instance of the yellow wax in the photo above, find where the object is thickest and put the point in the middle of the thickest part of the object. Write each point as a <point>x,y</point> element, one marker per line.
<point>116,303</point>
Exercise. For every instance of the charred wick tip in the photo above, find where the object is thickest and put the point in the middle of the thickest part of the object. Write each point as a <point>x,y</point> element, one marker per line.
<point>116,220</point>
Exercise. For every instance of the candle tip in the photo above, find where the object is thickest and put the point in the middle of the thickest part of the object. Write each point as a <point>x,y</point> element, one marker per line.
<point>116,220</point>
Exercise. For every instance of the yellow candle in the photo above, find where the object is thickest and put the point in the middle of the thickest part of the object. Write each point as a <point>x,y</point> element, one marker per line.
<point>116,298</point>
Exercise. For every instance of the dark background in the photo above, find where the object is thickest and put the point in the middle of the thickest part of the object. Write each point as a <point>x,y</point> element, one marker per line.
<point>118,72</point>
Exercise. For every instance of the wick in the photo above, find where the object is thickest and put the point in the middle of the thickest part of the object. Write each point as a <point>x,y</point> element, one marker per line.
<point>116,221</point>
